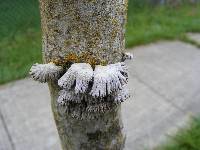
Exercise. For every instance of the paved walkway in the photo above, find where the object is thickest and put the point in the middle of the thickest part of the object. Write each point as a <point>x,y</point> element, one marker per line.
<point>194,36</point>
<point>164,82</point>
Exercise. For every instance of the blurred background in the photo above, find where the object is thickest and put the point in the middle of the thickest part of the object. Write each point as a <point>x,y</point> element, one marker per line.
<point>149,21</point>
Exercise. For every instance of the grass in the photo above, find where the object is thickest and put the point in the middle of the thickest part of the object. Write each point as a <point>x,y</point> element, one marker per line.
<point>148,24</point>
<point>186,138</point>
<point>20,35</point>
<point>20,38</point>
<point>186,39</point>
<point>18,55</point>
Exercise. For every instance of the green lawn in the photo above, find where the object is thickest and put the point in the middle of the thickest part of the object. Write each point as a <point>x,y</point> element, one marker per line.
<point>20,36</point>
<point>186,138</point>
<point>151,24</point>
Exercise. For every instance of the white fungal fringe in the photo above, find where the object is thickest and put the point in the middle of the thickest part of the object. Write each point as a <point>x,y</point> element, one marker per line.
<point>101,107</point>
<point>121,66</point>
<point>122,95</point>
<point>79,74</point>
<point>67,80</point>
<point>108,79</point>
<point>127,56</point>
<point>45,72</point>
<point>68,96</point>
<point>83,77</point>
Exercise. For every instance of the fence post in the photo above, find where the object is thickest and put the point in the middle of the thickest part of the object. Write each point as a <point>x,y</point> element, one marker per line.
<point>92,27</point>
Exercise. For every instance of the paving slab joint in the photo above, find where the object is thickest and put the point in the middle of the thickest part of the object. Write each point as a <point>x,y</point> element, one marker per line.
<point>7,131</point>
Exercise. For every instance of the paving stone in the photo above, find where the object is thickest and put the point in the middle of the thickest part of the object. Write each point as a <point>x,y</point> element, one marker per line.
<point>194,36</point>
<point>5,137</point>
<point>171,70</point>
<point>26,108</point>
<point>148,118</point>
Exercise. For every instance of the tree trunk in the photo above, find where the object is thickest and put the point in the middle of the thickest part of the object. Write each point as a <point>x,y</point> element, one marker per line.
<point>96,27</point>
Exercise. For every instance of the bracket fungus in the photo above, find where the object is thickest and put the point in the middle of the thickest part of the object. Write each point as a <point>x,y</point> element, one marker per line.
<point>68,96</point>
<point>86,93</point>
<point>45,72</point>
<point>127,56</point>
<point>108,79</point>
<point>121,95</point>
<point>79,74</point>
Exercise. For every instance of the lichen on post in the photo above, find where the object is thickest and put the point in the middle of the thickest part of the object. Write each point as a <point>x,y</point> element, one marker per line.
<point>85,31</point>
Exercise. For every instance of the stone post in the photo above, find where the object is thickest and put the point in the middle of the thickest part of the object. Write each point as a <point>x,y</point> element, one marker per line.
<point>92,27</point>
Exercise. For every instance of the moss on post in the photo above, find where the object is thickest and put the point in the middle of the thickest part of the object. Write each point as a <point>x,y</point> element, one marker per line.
<point>80,27</point>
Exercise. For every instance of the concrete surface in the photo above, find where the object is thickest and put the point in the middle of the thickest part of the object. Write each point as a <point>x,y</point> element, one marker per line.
<point>164,83</point>
<point>25,107</point>
<point>194,36</point>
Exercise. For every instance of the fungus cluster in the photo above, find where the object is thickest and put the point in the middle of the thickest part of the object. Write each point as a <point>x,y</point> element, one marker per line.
<point>45,72</point>
<point>86,91</point>
<point>108,79</point>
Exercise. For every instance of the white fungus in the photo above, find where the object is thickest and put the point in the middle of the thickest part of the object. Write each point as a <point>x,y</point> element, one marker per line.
<point>108,86</point>
<point>108,79</point>
<point>45,72</point>
<point>122,95</point>
<point>68,96</point>
<point>79,74</point>
<point>127,56</point>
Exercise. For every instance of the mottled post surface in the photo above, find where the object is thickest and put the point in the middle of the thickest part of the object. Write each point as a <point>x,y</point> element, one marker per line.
<point>96,27</point>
